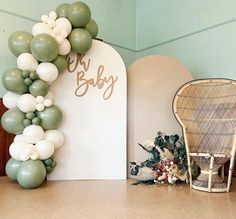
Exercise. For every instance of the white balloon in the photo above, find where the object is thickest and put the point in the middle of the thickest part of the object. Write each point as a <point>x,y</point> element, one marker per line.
<point>53,15</point>
<point>39,99</point>
<point>44,18</point>
<point>47,72</point>
<point>64,48</point>
<point>35,155</point>
<point>27,62</point>
<point>33,133</point>
<point>55,136</point>
<point>21,150</point>
<point>40,107</point>
<point>64,24</point>
<point>45,149</point>
<point>48,102</point>
<point>41,28</point>
<point>27,103</point>
<point>10,100</point>
<point>19,138</point>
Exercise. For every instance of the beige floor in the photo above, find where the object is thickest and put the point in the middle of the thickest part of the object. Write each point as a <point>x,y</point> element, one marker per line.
<point>112,199</point>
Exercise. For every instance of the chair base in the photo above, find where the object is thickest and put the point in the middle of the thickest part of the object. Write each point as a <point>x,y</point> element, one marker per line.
<point>217,183</point>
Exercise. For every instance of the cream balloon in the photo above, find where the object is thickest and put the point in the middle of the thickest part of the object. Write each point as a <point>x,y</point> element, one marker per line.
<point>21,150</point>
<point>19,138</point>
<point>64,24</point>
<point>49,95</point>
<point>33,134</point>
<point>48,102</point>
<point>56,137</point>
<point>64,48</point>
<point>10,100</point>
<point>27,62</point>
<point>47,72</point>
<point>27,103</point>
<point>45,149</point>
<point>41,28</point>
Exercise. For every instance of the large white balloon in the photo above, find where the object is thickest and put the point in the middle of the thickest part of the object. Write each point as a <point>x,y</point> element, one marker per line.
<point>27,103</point>
<point>55,136</point>
<point>64,24</point>
<point>33,134</point>
<point>10,100</point>
<point>41,28</point>
<point>21,150</point>
<point>27,62</point>
<point>64,48</point>
<point>47,72</point>
<point>45,149</point>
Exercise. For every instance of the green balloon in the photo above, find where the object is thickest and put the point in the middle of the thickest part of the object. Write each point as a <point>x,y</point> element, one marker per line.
<point>12,121</point>
<point>31,174</point>
<point>79,14</point>
<point>61,63</point>
<point>92,28</point>
<point>13,81</point>
<point>33,76</point>
<point>25,74</point>
<point>44,47</point>
<point>19,42</point>
<point>28,81</point>
<point>30,115</point>
<point>26,122</point>
<point>36,121</point>
<point>80,40</point>
<point>50,118</point>
<point>62,10</point>
<point>12,167</point>
<point>39,88</point>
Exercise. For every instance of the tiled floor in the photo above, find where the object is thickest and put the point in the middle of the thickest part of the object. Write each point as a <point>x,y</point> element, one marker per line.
<point>113,200</point>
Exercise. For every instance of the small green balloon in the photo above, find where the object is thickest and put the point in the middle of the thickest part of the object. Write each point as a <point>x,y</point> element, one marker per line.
<point>54,164</point>
<point>12,167</point>
<point>92,28</point>
<point>31,174</point>
<point>48,162</point>
<point>28,81</point>
<point>39,88</point>
<point>44,47</point>
<point>36,121</point>
<point>33,76</point>
<point>13,81</point>
<point>79,14</point>
<point>62,10</point>
<point>80,40</point>
<point>30,115</point>
<point>19,42</point>
<point>25,74</point>
<point>61,63</point>
<point>50,118</point>
<point>26,122</point>
<point>12,121</point>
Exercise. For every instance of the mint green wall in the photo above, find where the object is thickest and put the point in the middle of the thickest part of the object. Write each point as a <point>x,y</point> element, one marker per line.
<point>116,20</point>
<point>200,34</point>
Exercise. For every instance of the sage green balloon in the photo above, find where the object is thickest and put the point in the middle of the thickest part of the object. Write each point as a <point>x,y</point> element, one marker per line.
<point>12,121</point>
<point>62,10</point>
<point>39,88</point>
<point>12,168</point>
<point>61,63</point>
<point>19,42</point>
<point>50,118</point>
<point>80,40</point>
<point>79,14</point>
<point>92,28</point>
<point>44,47</point>
<point>13,81</point>
<point>31,174</point>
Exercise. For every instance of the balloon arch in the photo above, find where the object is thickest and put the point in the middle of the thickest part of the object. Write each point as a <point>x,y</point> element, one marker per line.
<point>32,117</point>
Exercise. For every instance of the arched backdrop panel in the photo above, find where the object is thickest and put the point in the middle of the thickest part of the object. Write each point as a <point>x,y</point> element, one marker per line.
<point>152,83</point>
<point>92,96</point>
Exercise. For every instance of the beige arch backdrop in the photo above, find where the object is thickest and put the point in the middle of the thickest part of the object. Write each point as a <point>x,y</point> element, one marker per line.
<point>152,83</point>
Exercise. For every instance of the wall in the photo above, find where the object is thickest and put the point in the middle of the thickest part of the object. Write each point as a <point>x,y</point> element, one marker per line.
<point>116,20</point>
<point>200,34</point>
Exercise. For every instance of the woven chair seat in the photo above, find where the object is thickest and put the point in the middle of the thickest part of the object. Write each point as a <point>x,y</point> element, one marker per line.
<point>206,110</point>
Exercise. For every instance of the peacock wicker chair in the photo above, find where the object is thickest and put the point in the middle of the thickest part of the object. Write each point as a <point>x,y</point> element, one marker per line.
<point>206,110</point>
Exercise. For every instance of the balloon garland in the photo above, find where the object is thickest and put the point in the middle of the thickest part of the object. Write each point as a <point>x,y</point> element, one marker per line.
<point>32,116</point>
